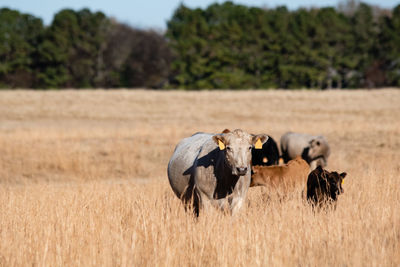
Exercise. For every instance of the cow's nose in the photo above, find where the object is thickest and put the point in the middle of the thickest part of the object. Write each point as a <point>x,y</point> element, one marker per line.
<point>242,171</point>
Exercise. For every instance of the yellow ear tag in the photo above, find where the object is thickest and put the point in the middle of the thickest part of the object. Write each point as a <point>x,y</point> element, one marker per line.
<point>221,145</point>
<point>258,144</point>
<point>342,181</point>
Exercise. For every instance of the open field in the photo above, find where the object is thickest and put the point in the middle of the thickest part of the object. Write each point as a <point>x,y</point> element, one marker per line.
<point>83,180</point>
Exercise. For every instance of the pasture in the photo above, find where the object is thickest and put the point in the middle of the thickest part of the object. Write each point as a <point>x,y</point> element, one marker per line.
<point>83,179</point>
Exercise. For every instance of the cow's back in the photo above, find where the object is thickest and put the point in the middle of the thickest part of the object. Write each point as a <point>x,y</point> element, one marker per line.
<point>292,144</point>
<point>283,179</point>
<point>180,166</point>
<point>298,169</point>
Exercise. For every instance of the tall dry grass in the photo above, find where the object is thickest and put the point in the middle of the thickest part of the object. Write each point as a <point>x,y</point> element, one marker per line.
<point>83,180</point>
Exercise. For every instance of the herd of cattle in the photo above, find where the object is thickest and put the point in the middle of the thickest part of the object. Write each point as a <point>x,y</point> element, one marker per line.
<point>216,170</point>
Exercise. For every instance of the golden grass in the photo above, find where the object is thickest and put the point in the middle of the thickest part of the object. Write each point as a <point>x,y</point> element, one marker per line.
<point>83,180</point>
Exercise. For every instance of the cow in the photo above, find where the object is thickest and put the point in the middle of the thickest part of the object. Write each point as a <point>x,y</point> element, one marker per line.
<point>313,149</point>
<point>324,186</point>
<point>282,179</point>
<point>266,156</point>
<point>213,169</point>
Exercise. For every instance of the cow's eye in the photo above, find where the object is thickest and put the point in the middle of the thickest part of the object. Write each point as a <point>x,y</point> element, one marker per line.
<point>228,148</point>
<point>317,143</point>
<point>249,147</point>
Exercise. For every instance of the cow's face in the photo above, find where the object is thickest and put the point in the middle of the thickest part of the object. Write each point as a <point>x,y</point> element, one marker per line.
<point>318,147</point>
<point>335,181</point>
<point>236,147</point>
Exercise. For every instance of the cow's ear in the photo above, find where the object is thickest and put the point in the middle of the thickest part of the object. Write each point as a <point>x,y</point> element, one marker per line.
<point>259,140</point>
<point>226,131</point>
<point>220,141</point>
<point>343,174</point>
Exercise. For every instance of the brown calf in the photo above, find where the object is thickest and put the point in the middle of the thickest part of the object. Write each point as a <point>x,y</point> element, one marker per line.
<point>324,186</point>
<point>282,179</point>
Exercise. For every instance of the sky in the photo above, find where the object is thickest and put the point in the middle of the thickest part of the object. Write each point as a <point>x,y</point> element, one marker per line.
<point>152,13</point>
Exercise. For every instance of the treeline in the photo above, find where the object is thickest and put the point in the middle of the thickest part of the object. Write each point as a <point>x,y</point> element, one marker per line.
<point>234,46</point>
<point>222,46</point>
<point>80,49</point>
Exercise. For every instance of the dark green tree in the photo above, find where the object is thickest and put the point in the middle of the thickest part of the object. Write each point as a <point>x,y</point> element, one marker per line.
<point>70,52</point>
<point>365,34</point>
<point>222,46</point>
<point>19,37</point>
<point>389,47</point>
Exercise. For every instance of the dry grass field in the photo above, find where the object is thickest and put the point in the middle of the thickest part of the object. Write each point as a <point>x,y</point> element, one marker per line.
<point>83,180</point>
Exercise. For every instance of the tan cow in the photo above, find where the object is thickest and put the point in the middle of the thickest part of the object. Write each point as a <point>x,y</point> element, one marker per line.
<point>282,179</point>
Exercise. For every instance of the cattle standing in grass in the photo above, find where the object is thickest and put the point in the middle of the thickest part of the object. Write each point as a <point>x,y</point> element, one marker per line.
<point>213,169</point>
<point>267,156</point>
<point>284,179</point>
<point>313,149</point>
<point>324,186</point>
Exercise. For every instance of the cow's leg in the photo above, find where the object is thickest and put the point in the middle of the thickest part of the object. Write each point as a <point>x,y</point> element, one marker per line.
<point>191,200</point>
<point>230,203</point>
<point>219,204</point>
<point>285,156</point>
<point>237,203</point>
<point>205,200</point>
<point>236,199</point>
<point>233,202</point>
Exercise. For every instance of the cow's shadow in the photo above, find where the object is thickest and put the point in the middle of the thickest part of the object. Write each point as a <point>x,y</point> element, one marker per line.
<point>225,182</point>
<point>305,156</point>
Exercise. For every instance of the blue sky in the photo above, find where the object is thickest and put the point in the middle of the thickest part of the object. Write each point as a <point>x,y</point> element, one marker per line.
<point>151,13</point>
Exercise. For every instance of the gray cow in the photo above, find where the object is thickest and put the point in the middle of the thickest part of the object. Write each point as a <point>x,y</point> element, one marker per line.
<point>313,149</point>
<point>213,169</point>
